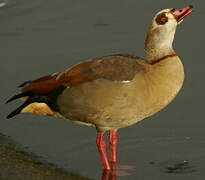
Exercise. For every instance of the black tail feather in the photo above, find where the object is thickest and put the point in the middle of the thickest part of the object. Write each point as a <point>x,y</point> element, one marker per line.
<point>18,110</point>
<point>24,94</point>
<point>32,98</point>
<point>50,99</point>
<point>24,83</point>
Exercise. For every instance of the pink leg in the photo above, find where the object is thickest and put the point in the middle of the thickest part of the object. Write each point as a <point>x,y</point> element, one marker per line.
<point>113,146</point>
<point>102,150</point>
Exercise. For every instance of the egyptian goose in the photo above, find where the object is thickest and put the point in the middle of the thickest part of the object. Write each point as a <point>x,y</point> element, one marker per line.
<point>113,91</point>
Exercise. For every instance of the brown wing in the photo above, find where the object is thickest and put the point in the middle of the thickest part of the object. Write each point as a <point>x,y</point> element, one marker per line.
<point>42,85</point>
<point>114,67</point>
<point>46,89</point>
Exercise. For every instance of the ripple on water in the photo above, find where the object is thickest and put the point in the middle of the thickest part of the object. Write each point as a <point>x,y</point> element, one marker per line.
<point>184,166</point>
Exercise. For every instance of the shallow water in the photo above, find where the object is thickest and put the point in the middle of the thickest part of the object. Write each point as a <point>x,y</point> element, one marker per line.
<point>42,37</point>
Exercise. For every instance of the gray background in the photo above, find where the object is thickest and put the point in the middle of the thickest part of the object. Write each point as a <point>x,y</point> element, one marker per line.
<point>42,37</point>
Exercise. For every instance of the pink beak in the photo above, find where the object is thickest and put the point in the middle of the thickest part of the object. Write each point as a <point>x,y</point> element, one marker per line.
<point>180,14</point>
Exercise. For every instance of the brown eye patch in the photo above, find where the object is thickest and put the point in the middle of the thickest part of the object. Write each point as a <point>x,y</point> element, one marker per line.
<point>161,19</point>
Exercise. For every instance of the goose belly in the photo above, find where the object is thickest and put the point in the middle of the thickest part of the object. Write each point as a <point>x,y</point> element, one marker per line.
<point>107,104</point>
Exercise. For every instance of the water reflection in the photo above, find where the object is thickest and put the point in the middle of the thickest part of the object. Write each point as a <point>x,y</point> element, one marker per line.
<point>108,175</point>
<point>116,170</point>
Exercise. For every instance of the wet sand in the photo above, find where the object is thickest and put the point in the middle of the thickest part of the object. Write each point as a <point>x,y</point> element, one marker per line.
<point>42,37</point>
<point>17,163</point>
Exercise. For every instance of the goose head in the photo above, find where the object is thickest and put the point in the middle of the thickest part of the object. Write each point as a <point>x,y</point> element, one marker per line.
<point>161,32</point>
